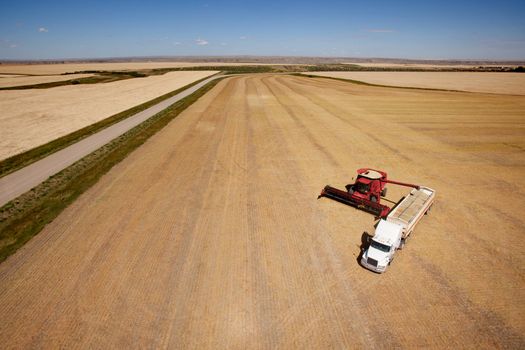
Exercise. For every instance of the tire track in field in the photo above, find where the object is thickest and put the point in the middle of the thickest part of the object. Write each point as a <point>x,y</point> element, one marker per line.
<point>320,249</point>
<point>210,236</point>
<point>482,318</point>
<point>94,248</point>
<point>190,269</point>
<point>376,328</point>
<point>332,133</point>
<point>491,330</point>
<point>297,119</point>
<point>341,114</point>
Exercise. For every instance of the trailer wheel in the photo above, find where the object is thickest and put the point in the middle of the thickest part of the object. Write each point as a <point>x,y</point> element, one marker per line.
<point>428,210</point>
<point>383,192</point>
<point>402,244</point>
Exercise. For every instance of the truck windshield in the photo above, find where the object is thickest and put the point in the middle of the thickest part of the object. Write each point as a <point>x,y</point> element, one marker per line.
<point>379,246</point>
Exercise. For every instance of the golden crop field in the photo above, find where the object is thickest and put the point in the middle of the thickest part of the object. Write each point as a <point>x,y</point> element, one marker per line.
<point>488,82</point>
<point>20,80</point>
<point>425,65</point>
<point>34,117</point>
<point>210,235</point>
<point>60,68</point>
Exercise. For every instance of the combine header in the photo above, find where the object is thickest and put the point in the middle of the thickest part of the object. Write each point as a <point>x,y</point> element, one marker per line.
<point>379,210</point>
<point>366,192</point>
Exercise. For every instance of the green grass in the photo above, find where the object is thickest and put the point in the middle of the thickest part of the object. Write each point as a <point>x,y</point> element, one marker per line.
<point>23,159</point>
<point>24,217</point>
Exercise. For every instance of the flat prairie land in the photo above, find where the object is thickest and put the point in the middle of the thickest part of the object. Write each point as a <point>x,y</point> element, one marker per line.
<point>34,117</point>
<point>20,80</point>
<point>211,235</point>
<point>424,65</point>
<point>60,68</point>
<point>488,82</point>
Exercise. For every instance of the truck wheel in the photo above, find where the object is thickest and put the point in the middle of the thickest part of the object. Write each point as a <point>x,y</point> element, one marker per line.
<point>373,199</point>
<point>402,244</point>
<point>428,210</point>
<point>383,192</point>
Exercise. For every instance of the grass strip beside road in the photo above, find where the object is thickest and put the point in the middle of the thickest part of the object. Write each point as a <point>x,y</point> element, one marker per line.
<point>21,160</point>
<point>24,217</point>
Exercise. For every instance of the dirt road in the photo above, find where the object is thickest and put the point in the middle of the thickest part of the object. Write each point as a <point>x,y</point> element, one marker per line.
<point>211,235</point>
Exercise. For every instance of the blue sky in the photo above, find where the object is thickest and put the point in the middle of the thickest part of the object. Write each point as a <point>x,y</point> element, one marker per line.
<point>402,29</point>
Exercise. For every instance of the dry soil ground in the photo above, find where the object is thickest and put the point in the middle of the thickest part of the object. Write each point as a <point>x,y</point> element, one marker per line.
<point>20,80</point>
<point>34,117</point>
<point>211,234</point>
<point>498,83</point>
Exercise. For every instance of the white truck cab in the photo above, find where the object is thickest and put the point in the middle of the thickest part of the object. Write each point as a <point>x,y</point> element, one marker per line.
<point>383,245</point>
<point>393,231</point>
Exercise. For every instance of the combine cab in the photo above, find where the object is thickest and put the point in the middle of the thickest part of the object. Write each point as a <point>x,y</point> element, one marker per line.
<point>369,185</point>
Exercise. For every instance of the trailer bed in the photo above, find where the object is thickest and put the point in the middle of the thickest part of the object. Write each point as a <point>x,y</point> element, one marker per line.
<point>412,208</point>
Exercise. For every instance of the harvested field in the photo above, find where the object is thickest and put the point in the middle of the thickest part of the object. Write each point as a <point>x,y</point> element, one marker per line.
<point>425,65</point>
<point>10,81</point>
<point>46,69</point>
<point>211,234</point>
<point>34,117</point>
<point>497,83</point>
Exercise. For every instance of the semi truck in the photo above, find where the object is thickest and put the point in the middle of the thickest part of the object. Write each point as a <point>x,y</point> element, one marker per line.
<point>392,231</point>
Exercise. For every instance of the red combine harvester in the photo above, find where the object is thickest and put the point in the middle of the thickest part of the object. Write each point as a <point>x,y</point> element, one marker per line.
<point>366,192</point>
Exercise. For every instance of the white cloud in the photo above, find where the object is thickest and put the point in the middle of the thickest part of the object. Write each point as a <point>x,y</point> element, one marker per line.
<point>224,44</point>
<point>201,42</point>
<point>6,43</point>
<point>380,30</point>
<point>177,43</point>
<point>244,37</point>
<point>43,30</point>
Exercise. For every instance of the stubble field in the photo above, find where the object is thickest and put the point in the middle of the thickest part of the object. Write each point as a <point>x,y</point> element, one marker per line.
<point>211,234</point>
<point>486,82</point>
<point>429,66</point>
<point>34,117</point>
<point>60,68</point>
<point>20,80</point>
